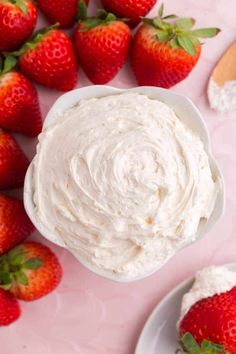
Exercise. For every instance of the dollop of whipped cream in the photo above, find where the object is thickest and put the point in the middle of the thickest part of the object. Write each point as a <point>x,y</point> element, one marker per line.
<point>122,182</point>
<point>208,282</point>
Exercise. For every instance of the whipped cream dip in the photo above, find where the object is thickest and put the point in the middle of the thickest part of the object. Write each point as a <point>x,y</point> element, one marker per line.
<point>208,282</point>
<point>121,181</point>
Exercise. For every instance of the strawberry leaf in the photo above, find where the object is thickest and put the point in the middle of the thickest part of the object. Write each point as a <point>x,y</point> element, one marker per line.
<point>33,263</point>
<point>4,266</point>
<point>9,63</point>
<point>158,23</point>
<point>180,33</point>
<point>110,17</point>
<point>194,40</point>
<point>208,346</point>
<point>90,23</point>
<point>205,32</point>
<point>190,344</point>
<point>187,45</point>
<point>32,42</point>
<point>148,21</point>
<point>174,43</point>
<point>1,63</point>
<point>102,13</point>
<point>5,286</point>
<point>161,11</point>
<point>82,11</point>
<point>5,278</point>
<point>16,256</point>
<point>163,36</point>
<point>41,32</point>
<point>21,4</point>
<point>14,251</point>
<point>185,23</point>
<point>21,278</point>
<point>18,259</point>
<point>104,18</point>
<point>23,49</point>
<point>169,17</point>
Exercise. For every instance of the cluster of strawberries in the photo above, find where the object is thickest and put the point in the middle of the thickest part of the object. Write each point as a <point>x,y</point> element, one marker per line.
<point>163,51</point>
<point>28,270</point>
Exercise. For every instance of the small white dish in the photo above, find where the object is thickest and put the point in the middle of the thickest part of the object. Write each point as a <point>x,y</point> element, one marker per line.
<point>184,109</point>
<point>159,334</point>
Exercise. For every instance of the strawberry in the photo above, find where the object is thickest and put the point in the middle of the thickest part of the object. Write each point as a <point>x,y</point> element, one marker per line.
<point>63,12</point>
<point>211,319</point>
<point>30,271</point>
<point>19,105</point>
<point>9,308</point>
<point>15,224</point>
<point>131,9</point>
<point>49,59</point>
<point>17,22</point>
<point>102,45</point>
<point>166,49</point>
<point>13,162</point>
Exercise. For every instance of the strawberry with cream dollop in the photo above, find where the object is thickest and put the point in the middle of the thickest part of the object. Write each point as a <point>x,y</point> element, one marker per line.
<point>208,313</point>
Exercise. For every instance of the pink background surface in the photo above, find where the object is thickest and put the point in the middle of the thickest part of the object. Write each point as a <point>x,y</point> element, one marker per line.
<point>91,315</point>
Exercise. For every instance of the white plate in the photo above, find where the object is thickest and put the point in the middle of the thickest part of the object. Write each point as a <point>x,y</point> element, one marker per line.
<point>159,335</point>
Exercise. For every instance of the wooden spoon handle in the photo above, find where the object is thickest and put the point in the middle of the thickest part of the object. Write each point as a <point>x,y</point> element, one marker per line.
<point>225,70</point>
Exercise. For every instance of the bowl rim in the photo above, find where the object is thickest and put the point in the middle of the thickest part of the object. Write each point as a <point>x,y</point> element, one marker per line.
<point>67,101</point>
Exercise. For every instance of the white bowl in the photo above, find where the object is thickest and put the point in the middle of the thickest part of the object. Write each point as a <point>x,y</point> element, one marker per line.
<point>184,109</point>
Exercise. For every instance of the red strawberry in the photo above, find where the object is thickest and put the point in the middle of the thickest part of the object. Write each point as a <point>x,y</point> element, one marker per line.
<point>50,60</point>
<point>165,51</point>
<point>17,23</point>
<point>33,271</point>
<point>9,308</point>
<point>13,162</point>
<point>15,224</point>
<point>211,319</point>
<point>102,45</point>
<point>131,9</point>
<point>63,12</point>
<point>19,105</point>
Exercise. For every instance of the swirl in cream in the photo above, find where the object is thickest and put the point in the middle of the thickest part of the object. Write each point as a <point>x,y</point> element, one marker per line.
<point>123,182</point>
